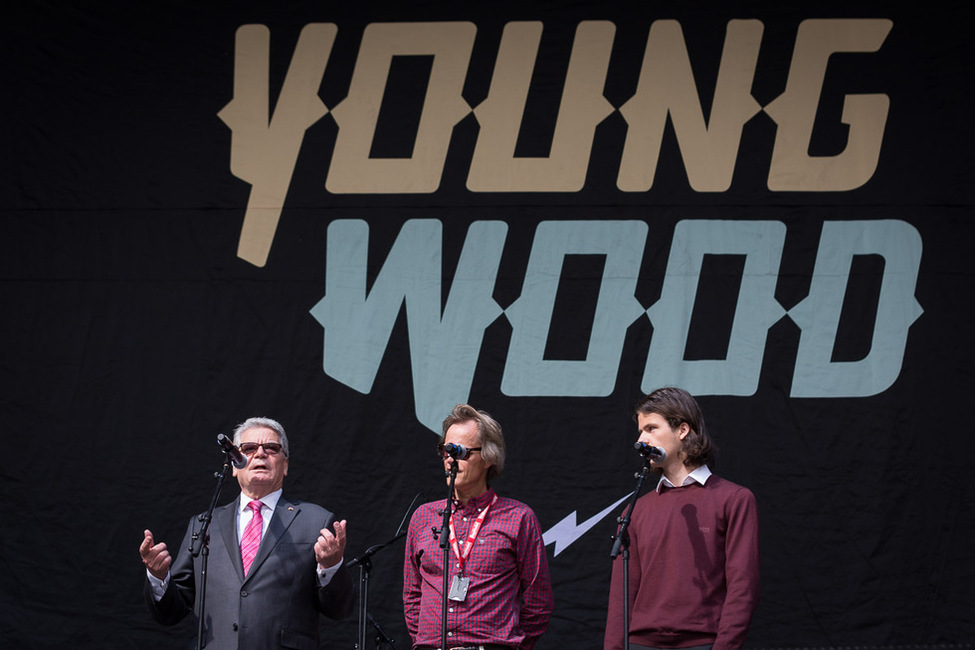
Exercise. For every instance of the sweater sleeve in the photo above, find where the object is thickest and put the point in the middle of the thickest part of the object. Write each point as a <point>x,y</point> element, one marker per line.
<point>741,572</point>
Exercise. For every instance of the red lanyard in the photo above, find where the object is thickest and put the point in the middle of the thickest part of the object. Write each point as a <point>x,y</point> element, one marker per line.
<point>471,536</point>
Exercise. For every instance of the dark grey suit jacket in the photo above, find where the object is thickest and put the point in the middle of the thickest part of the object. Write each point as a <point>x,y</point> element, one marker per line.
<point>278,604</point>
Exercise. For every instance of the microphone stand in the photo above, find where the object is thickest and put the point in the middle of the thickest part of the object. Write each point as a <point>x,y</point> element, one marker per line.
<point>381,636</point>
<point>444,536</point>
<point>365,566</point>
<point>200,544</point>
<point>364,562</point>
<point>622,541</point>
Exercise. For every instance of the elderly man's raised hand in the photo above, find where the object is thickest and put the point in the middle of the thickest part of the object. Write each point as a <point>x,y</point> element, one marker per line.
<point>155,556</point>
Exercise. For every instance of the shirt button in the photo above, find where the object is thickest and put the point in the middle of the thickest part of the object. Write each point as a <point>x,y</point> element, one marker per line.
<point>449,610</point>
<point>450,634</point>
<point>465,518</point>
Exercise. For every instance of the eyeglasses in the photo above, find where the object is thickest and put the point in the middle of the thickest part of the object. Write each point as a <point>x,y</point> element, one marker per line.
<point>250,448</point>
<point>443,453</point>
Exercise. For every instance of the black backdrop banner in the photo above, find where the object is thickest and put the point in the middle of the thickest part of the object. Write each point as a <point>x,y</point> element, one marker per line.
<point>351,217</point>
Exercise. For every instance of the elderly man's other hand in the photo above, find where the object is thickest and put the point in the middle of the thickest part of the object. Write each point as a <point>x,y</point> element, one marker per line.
<point>330,548</point>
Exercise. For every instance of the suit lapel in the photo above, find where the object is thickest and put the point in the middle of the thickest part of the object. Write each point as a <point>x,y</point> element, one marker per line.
<point>284,514</point>
<point>226,521</point>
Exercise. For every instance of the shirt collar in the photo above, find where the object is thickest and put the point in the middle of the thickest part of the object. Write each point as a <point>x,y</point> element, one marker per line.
<point>697,475</point>
<point>270,501</point>
<point>477,503</point>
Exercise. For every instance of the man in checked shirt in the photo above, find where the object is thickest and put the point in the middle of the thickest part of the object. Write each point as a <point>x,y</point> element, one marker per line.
<point>499,591</point>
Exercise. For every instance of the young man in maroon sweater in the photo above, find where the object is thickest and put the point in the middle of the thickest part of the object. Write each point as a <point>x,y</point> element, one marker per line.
<point>693,542</point>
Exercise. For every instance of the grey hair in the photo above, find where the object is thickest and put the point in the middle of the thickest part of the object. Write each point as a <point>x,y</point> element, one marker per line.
<point>489,433</point>
<point>266,423</point>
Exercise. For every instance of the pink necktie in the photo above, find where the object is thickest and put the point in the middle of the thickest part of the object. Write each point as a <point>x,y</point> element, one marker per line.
<point>251,541</point>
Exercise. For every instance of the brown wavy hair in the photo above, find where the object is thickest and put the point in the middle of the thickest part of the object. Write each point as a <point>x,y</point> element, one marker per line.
<point>677,406</point>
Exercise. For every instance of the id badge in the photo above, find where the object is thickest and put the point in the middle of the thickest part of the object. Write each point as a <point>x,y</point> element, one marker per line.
<point>458,588</point>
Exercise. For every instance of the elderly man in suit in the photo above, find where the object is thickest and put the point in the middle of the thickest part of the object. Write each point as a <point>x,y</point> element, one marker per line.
<point>274,563</point>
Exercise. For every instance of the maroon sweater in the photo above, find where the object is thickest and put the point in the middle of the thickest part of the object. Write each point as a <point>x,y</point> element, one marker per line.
<point>693,568</point>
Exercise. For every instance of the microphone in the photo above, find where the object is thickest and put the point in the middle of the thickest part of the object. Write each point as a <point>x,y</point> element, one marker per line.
<point>649,452</point>
<point>234,454</point>
<point>457,452</point>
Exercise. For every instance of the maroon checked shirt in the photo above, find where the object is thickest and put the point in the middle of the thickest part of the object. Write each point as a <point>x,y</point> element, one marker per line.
<point>509,600</point>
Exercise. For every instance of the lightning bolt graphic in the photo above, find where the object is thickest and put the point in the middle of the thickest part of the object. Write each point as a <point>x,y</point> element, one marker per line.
<point>567,531</point>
